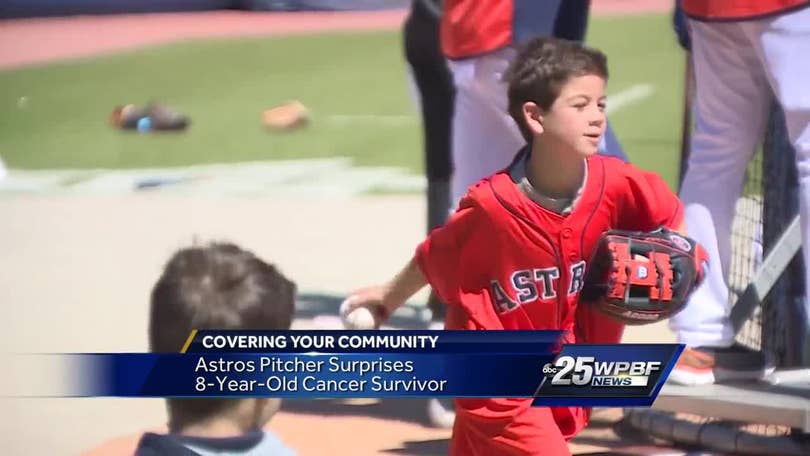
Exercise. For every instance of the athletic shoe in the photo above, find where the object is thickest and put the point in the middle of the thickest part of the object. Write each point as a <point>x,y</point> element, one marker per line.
<point>708,365</point>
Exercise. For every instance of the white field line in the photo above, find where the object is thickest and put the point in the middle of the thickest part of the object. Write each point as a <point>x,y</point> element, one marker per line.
<point>628,97</point>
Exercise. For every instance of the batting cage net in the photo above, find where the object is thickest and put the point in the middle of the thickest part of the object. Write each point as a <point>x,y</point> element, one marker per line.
<point>747,248</point>
<point>765,210</point>
<point>781,317</point>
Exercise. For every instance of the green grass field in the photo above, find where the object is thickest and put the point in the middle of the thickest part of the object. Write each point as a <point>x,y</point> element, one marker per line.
<point>224,85</point>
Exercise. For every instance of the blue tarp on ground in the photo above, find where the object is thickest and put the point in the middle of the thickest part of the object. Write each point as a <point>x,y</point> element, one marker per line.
<point>42,8</point>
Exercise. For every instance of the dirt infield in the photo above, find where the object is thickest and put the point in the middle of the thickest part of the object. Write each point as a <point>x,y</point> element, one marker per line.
<point>75,276</point>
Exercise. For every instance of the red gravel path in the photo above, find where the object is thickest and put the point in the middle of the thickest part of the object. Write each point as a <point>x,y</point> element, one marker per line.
<point>25,42</point>
<point>31,41</point>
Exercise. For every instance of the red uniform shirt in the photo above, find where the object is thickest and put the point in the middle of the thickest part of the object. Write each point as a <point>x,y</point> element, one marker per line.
<point>504,262</point>
<point>737,9</point>
<point>473,27</point>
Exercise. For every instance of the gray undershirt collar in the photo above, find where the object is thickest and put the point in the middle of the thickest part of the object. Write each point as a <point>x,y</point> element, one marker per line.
<point>562,206</point>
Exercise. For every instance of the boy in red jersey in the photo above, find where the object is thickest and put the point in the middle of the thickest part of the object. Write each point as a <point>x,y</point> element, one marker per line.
<point>514,254</point>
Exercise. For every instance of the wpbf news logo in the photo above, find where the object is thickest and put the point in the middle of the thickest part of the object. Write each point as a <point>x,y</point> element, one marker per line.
<point>606,375</point>
<point>587,371</point>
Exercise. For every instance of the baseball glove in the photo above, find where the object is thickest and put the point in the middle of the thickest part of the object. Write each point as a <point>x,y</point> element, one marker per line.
<point>643,277</point>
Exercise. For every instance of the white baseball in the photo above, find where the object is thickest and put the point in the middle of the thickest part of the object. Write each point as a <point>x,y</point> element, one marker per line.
<point>359,318</point>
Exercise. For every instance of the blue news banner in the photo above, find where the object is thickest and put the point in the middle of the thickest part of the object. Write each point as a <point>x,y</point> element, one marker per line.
<point>342,364</point>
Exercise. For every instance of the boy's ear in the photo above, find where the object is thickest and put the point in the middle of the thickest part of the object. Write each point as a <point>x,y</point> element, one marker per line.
<point>533,117</point>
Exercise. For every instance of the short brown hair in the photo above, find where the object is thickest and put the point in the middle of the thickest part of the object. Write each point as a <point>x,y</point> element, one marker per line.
<point>540,70</point>
<point>218,286</point>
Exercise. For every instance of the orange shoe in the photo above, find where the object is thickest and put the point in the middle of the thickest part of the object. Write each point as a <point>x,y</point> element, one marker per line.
<point>705,365</point>
<point>694,367</point>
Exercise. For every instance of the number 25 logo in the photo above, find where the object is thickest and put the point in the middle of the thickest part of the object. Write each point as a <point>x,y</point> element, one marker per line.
<point>582,370</point>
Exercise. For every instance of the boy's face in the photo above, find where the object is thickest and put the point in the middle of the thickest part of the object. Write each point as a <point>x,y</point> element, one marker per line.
<point>576,120</point>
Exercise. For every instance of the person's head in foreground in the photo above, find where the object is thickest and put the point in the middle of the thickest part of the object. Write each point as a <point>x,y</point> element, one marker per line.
<point>217,286</point>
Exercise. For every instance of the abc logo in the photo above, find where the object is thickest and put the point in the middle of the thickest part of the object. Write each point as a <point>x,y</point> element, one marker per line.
<point>549,370</point>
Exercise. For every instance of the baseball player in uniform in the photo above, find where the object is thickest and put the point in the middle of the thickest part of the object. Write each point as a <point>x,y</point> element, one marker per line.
<point>435,99</point>
<point>479,38</point>
<point>513,256</point>
<point>744,53</point>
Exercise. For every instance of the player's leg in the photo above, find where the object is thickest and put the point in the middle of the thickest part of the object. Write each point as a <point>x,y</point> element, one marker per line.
<point>730,108</point>
<point>434,81</point>
<point>484,138</point>
<point>783,44</point>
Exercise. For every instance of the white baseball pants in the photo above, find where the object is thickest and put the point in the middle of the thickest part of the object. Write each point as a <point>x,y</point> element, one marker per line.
<point>739,67</point>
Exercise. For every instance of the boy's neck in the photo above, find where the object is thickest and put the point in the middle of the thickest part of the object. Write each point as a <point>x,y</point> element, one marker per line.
<point>216,428</point>
<point>553,172</point>
<point>244,417</point>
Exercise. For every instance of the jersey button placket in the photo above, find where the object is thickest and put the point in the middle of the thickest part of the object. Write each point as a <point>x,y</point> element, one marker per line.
<point>567,234</point>
<point>567,251</point>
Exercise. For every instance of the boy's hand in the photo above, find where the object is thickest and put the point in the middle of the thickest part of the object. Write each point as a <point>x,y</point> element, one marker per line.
<point>376,304</point>
<point>370,299</point>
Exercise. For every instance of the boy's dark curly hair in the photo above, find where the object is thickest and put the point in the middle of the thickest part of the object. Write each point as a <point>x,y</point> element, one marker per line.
<point>540,70</point>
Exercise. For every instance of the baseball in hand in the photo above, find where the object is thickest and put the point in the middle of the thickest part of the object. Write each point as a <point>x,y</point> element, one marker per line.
<point>359,318</point>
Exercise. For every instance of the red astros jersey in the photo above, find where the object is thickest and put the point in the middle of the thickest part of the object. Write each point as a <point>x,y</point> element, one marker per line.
<point>738,9</point>
<point>473,27</point>
<point>504,262</point>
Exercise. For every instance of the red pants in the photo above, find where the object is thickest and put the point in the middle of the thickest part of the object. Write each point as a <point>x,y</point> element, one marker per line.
<point>494,427</point>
